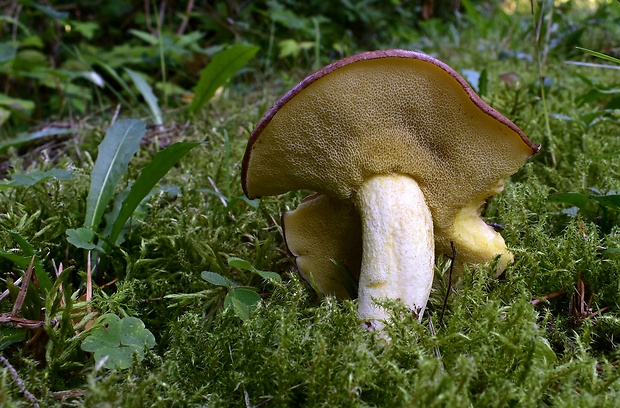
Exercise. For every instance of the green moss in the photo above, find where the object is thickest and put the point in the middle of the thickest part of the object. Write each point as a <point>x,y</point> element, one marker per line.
<point>527,339</point>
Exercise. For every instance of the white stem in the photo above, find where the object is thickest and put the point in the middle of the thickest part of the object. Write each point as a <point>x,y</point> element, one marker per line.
<point>398,246</point>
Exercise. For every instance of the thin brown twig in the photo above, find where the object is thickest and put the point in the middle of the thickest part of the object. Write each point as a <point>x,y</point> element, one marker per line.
<point>19,382</point>
<point>19,302</point>
<point>548,297</point>
<point>21,322</point>
<point>188,10</point>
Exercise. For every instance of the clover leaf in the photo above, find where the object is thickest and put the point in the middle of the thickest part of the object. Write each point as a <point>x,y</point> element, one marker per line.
<point>118,340</point>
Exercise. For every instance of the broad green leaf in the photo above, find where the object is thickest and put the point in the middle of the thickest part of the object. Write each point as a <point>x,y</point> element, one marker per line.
<point>147,93</point>
<point>81,238</point>
<point>87,29</point>
<point>23,106</point>
<point>222,67</point>
<point>5,114</point>
<point>240,264</point>
<point>120,144</point>
<point>576,199</point>
<point>144,36</point>
<point>8,51</point>
<point>118,340</point>
<point>10,336</point>
<point>268,275</point>
<point>289,48</point>
<point>34,177</point>
<point>49,11</point>
<point>217,279</point>
<point>133,332</point>
<point>24,138</point>
<point>150,175</point>
<point>581,200</point>
<point>610,201</point>
<point>242,300</point>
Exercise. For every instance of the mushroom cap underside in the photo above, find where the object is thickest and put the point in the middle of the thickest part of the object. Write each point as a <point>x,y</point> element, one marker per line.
<point>379,113</point>
<point>375,113</point>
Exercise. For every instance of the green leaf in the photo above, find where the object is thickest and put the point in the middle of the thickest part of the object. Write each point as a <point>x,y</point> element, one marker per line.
<point>247,266</point>
<point>87,29</point>
<point>243,301</point>
<point>118,340</point>
<point>147,93</point>
<point>217,279</point>
<point>150,175</point>
<point>23,106</point>
<point>11,336</point>
<point>119,145</point>
<point>581,200</point>
<point>600,55</point>
<point>144,36</point>
<point>43,278</point>
<point>575,199</point>
<point>240,264</point>
<point>8,51</point>
<point>23,244</point>
<point>289,48</point>
<point>133,332</point>
<point>81,238</point>
<point>24,138</point>
<point>34,177</point>
<point>5,114</point>
<point>49,11</point>
<point>609,201</point>
<point>221,68</point>
<point>268,275</point>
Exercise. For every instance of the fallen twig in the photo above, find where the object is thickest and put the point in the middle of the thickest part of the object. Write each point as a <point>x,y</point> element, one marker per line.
<point>19,382</point>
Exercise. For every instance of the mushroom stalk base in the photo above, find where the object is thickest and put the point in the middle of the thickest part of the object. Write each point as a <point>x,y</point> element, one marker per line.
<point>398,247</point>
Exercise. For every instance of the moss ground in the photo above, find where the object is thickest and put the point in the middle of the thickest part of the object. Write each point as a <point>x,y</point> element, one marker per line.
<point>544,334</point>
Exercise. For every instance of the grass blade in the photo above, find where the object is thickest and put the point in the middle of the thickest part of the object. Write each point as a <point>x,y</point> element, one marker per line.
<point>119,145</point>
<point>147,93</point>
<point>223,66</point>
<point>150,175</point>
<point>600,55</point>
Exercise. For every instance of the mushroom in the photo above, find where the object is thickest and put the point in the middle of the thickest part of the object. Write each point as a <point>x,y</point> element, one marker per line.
<point>402,155</point>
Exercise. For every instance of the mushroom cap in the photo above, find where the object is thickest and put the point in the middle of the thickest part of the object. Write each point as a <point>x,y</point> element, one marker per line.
<point>384,112</point>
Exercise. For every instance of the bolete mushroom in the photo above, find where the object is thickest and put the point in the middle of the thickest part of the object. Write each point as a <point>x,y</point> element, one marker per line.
<point>402,155</point>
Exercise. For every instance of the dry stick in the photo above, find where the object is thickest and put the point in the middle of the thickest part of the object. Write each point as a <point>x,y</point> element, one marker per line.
<point>19,382</point>
<point>19,302</point>
<point>445,301</point>
<point>188,10</point>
